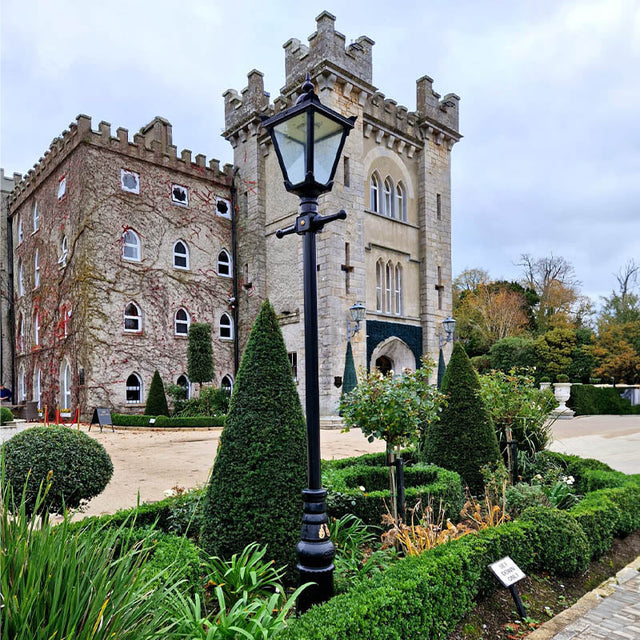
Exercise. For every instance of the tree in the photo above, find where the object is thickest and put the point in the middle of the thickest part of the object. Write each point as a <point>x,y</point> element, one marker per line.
<point>554,281</point>
<point>618,352</point>
<point>156,400</point>
<point>200,353</point>
<point>554,351</point>
<point>260,469</point>
<point>623,305</point>
<point>463,439</point>
<point>513,352</point>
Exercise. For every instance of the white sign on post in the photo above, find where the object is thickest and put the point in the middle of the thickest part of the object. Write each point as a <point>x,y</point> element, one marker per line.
<point>507,571</point>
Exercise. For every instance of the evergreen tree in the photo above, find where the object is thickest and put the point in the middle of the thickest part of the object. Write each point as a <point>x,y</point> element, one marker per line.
<point>200,353</point>
<point>349,379</point>
<point>463,439</point>
<point>156,400</point>
<point>254,493</point>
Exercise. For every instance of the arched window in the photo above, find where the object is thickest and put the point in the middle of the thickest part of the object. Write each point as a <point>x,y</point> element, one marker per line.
<point>224,264</point>
<point>65,386</point>
<point>227,383</point>
<point>22,385</point>
<point>20,230</point>
<point>182,322</point>
<point>374,193</point>
<point>180,255</point>
<point>379,287</point>
<point>388,281</point>
<point>37,387</point>
<point>401,202</point>
<point>36,217</point>
<point>133,389</point>
<point>20,278</point>
<point>132,318</point>
<point>36,269</point>
<point>64,250</point>
<point>398,291</point>
<point>388,198</point>
<point>131,245</point>
<point>226,327</point>
<point>183,382</point>
<point>36,329</point>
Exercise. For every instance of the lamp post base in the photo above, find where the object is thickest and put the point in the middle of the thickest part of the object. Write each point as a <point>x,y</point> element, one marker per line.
<point>315,551</point>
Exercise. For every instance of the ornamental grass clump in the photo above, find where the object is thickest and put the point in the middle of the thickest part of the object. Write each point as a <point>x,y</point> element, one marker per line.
<point>77,467</point>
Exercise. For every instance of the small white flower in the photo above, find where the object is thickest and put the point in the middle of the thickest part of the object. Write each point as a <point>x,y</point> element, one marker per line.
<point>568,480</point>
<point>537,477</point>
<point>169,493</point>
<point>361,488</point>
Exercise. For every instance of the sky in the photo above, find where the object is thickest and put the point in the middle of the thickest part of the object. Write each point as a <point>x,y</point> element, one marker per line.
<point>550,100</point>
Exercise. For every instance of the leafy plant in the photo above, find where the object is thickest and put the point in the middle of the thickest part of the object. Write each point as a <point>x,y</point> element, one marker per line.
<point>76,466</point>
<point>5,415</point>
<point>210,402</point>
<point>200,353</point>
<point>521,496</point>
<point>61,582</point>
<point>247,574</point>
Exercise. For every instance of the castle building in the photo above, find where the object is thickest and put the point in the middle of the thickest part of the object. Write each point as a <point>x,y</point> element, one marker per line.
<point>118,244</point>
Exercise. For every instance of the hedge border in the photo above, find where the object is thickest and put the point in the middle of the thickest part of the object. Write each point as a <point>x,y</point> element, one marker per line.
<point>130,420</point>
<point>369,506</point>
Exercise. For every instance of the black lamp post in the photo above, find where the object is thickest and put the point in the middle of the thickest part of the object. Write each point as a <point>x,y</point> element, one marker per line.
<point>449,326</point>
<point>357,313</point>
<point>308,139</point>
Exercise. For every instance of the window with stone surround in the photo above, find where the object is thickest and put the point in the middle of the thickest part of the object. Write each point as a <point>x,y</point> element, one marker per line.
<point>293,361</point>
<point>181,323</point>
<point>65,386</point>
<point>388,278</point>
<point>22,384</point>
<point>64,252</point>
<point>389,196</point>
<point>374,193</point>
<point>223,208</point>
<point>36,269</point>
<point>399,294</point>
<point>133,389</point>
<point>131,245</point>
<point>132,318</point>
<point>20,278</point>
<point>36,329</point>
<point>180,195</point>
<point>62,187</point>
<point>20,333</point>
<point>129,181</point>
<point>37,387</point>
<point>224,264</point>
<point>226,327</point>
<point>379,286</point>
<point>181,255</point>
<point>183,382</point>
<point>36,217</point>
<point>227,383</point>
<point>401,202</point>
<point>20,230</point>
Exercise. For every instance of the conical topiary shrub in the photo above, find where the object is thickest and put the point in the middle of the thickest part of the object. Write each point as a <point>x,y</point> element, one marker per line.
<point>463,439</point>
<point>254,493</point>
<point>156,400</point>
<point>349,379</point>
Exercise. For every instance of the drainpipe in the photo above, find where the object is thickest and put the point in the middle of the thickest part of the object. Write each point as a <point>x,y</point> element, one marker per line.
<point>234,258</point>
<point>10,311</point>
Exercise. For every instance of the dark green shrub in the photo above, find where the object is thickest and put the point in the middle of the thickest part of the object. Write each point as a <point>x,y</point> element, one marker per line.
<point>5,415</point>
<point>349,378</point>
<point>130,420</point>
<point>627,500</point>
<point>156,400</point>
<point>193,421</point>
<point>210,402</point>
<point>512,352</point>
<point>79,465</point>
<point>561,544</point>
<point>463,439</point>
<point>598,517</point>
<point>200,353</point>
<point>481,364</point>
<point>588,400</point>
<point>521,496</point>
<point>254,494</point>
<point>426,483</point>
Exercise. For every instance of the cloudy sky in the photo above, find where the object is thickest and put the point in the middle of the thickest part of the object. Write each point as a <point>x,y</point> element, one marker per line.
<point>550,161</point>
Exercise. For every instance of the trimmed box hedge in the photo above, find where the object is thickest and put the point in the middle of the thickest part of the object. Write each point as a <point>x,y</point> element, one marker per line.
<point>127,420</point>
<point>586,399</point>
<point>423,482</point>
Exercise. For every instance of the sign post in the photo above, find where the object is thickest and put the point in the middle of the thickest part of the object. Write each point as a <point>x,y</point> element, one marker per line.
<point>509,573</point>
<point>103,417</point>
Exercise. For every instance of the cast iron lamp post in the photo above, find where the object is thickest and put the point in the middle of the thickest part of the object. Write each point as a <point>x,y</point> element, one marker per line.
<point>449,326</point>
<point>308,139</point>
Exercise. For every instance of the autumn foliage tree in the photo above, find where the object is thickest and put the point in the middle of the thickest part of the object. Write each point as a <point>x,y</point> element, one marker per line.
<point>618,350</point>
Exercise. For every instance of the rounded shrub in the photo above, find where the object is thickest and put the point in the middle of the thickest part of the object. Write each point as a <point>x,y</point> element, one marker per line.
<point>562,546</point>
<point>5,415</point>
<point>76,465</point>
<point>521,496</point>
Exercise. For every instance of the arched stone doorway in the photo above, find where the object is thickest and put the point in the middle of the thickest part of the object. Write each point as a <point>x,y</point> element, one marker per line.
<point>394,355</point>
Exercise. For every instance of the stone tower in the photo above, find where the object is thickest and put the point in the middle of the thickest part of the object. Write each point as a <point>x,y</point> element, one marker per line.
<point>393,253</point>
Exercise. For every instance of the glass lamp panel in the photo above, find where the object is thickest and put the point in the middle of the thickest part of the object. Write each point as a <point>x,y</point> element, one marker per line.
<point>327,135</point>
<point>291,137</point>
<point>449,325</point>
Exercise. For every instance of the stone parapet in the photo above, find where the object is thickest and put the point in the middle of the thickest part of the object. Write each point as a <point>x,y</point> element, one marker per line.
<point>152,144</point>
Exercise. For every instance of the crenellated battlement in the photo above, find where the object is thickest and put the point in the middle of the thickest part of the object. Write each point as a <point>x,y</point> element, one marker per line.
<point>153,143</point>
<point>346,70</point>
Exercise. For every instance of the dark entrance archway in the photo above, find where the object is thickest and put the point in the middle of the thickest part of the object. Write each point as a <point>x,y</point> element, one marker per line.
<point>384,365</point>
